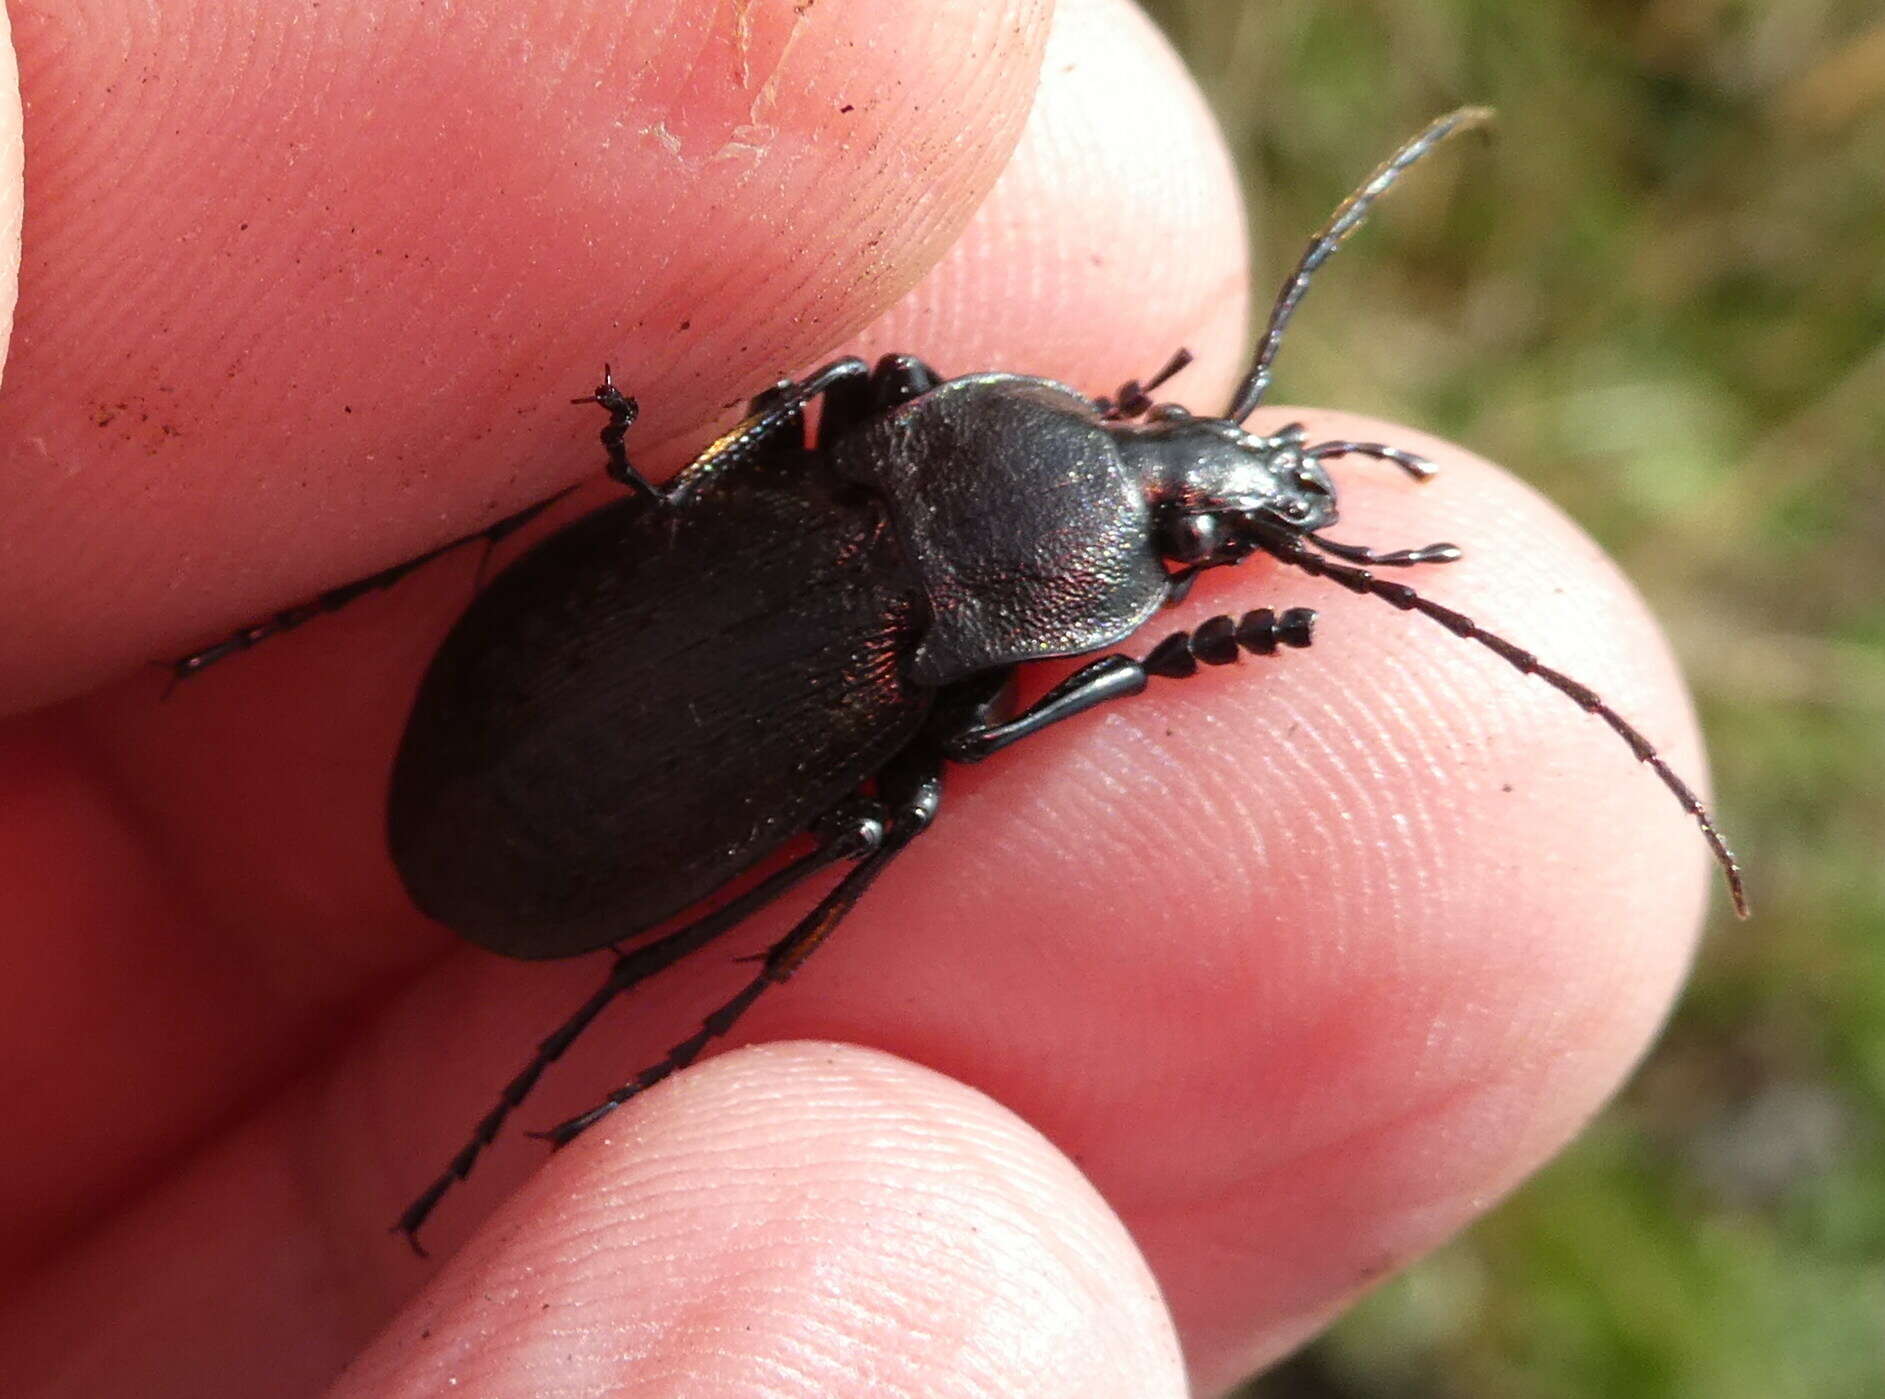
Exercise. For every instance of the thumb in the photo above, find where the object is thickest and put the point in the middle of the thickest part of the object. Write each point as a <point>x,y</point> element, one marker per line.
<point>798,1219</point>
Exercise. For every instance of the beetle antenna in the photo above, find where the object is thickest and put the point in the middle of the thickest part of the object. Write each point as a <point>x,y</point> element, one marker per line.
<point>1343,222</point>
<point>1359,580</point>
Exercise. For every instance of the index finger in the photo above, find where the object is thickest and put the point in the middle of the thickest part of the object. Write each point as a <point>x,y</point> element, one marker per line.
<point>303,299</point>
<point>293,315</point>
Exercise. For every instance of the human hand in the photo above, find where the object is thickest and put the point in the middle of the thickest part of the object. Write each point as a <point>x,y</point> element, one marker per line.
<point>1303,963</point>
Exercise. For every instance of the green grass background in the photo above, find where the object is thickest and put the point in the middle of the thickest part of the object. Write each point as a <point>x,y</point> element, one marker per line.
<point>1659,294</point>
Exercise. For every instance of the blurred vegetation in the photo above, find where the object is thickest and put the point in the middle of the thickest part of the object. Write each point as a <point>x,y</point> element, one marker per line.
<point>1660,294</point>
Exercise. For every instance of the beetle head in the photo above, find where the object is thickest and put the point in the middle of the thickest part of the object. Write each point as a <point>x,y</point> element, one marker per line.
<point>1219,492</point>
<point>1210,481</point>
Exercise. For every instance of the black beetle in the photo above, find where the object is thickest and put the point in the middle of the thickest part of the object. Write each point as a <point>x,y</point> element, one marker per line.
<point>796,636</point>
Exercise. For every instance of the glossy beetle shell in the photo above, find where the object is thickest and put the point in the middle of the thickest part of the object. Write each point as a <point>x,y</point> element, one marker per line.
<point>1028,531</point>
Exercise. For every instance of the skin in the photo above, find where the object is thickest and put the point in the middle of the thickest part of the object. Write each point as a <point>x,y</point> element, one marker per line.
<point>1191,1020</point>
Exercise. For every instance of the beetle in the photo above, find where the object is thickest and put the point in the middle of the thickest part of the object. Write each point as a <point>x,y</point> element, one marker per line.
<point>800,632</point>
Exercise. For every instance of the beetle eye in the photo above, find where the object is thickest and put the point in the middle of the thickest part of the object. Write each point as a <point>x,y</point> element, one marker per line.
<point>1190,538</point>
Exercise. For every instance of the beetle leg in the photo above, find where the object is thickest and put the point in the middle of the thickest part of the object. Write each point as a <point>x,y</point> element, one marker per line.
<point>1132,399</point>
<point>763,403</point>
<point>769,417</point>
<point>336,598</point>
<point>776,412</point>
<point>894,380</point>
<point>853,831</point>
<point>915,798</point>
<point>770,398</point>
<point>1178,584</point>
<point>622,411</point>
<point>1215,642</point>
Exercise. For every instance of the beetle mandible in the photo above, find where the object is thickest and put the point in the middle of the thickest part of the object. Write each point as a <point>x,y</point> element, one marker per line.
<point>797,635</point>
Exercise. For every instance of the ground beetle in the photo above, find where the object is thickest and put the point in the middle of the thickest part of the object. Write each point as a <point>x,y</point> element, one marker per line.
<point>796,636</point>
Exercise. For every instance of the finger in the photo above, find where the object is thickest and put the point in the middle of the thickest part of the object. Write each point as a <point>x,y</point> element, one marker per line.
<point>1430,911</point>
<point>1305,961</point>
<point>242,820</point>
<point>201,887</point>
<point>807,1218</point>
<point>809,1214</point>
<point>287,378</point>
<point>1576,1014</point>
<point>1113,237</point>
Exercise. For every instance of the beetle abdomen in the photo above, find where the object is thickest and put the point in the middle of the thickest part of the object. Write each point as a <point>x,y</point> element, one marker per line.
<point>645,705</point>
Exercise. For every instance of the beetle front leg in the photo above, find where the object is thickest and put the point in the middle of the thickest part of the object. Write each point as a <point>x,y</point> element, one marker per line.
<point>1216,642</point>
<point>777,411</point>
<point>894,380</point>
<point>622,411</point>
<point>1133,399</point>
<point>913,798</point>
<point>770,416</point>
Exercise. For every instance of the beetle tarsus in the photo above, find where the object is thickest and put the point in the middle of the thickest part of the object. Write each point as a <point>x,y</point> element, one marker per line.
<point>1214,642</point>
<point>622,411</point>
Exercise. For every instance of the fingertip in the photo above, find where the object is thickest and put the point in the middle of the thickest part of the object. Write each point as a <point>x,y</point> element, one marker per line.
<point>1114,235</point>
<point>1311,958</point>
<point>336,344</point>
<point>1443,909</point>
<point>803,1218</point>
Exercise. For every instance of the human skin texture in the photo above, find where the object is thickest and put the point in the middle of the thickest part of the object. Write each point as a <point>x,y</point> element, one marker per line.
<point>1191,1019</point>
